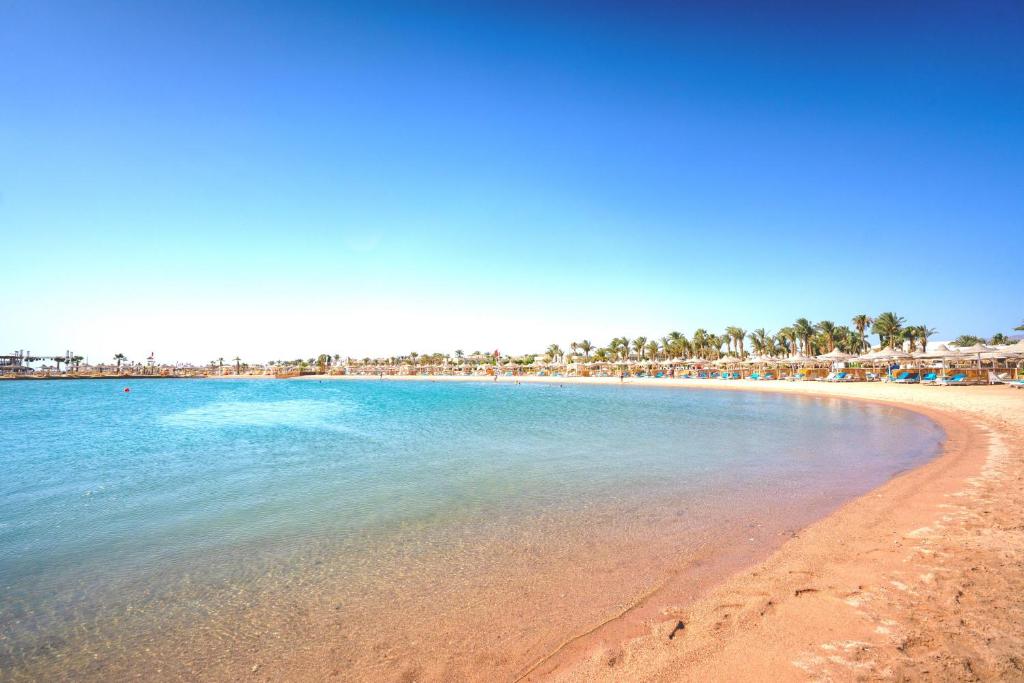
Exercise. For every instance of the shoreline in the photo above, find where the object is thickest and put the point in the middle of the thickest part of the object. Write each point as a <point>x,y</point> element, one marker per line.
<point>878,588</point>
<point>919,577</point>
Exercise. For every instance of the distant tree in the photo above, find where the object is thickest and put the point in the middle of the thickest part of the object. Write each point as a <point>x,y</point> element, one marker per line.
<point>639,344</point>
<point>586,347</point>
<point>120,358</point>
<point>999,338</point>
<point>861,322</point>
<point>888,327</point>
<point>968,340</point>
<point>804,330</point>
<point>827,330</point>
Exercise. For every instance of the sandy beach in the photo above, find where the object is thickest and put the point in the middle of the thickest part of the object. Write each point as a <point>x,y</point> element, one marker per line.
<point>920,579</point>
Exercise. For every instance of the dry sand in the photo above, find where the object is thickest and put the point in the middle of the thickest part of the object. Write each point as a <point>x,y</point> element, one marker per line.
<point>921,579</point>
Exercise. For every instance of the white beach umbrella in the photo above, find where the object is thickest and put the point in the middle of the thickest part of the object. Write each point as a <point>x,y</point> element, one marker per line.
<point>976,348</point>
<point>834,355</point>
<point>937,351</point>
<point>1011,350</point>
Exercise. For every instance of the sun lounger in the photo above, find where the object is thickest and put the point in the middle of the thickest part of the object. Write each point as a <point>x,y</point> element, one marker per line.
<point>930,378</point>
<point>1003,378</point>
<point>958,379</point>
<point>907,378</point>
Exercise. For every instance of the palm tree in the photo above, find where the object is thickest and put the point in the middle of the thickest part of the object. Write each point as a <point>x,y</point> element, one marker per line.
<point>827,329</point>
<point>586,347</point>
<point>923,332</point>
<point>804,330</point>
<point>652,349</point>
<point>624,347</point>
<point>459,354</point>
<point>861,321</point>
<point>740,334</point>
<point>759,340</point>
<point>555,351</point>
<point>120,357</point>
<point>787,340</point>
<point>699,342</point>
<point>238,365</point>
<point>999,338</point>
<point>1020,328</point>
<point>888,326</point>
<point>220,365</point>
<point>638,345</point>
<point>968,340</point>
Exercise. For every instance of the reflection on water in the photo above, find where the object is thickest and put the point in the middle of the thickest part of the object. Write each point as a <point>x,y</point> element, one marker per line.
<point>203,528</point>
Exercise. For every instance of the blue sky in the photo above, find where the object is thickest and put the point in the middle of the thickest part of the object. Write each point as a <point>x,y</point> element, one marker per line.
<point>284,179</point>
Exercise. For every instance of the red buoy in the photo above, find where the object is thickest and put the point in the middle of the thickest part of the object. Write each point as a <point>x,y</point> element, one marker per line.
<point>126,390</point>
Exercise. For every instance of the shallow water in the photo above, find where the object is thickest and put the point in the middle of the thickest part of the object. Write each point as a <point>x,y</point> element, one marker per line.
<point>226,529</point>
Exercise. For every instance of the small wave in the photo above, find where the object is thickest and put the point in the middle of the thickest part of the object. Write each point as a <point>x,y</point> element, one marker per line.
<point>300,413</point>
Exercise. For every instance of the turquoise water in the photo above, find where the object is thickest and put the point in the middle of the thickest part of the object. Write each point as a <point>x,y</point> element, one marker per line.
<point>111,502</point>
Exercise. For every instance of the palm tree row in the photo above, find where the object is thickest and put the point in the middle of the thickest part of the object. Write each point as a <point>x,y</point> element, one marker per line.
<point>802,336</point>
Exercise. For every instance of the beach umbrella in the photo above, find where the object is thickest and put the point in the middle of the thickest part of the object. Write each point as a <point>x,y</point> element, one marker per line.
<point>1016,349</point>
<point>976,349</point>
<point>835,355</point>
<point>939,352</point>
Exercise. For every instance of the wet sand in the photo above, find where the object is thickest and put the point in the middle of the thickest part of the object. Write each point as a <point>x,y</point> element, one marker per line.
<point>920,579</point>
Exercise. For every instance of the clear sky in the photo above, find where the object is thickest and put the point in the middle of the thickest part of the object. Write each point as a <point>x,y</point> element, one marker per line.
<point>283,179</point>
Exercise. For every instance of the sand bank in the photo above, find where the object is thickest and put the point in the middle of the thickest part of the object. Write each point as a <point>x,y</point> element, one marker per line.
<point>920,579</point>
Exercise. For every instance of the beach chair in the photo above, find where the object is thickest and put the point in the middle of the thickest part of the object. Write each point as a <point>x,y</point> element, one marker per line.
<point>754,375</point>
<point>959,378</point>
<point>841,377</point>
<point>930,378</point>
<point>1004,378</point>
<point>907,378</point>
<point>767,375</point>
